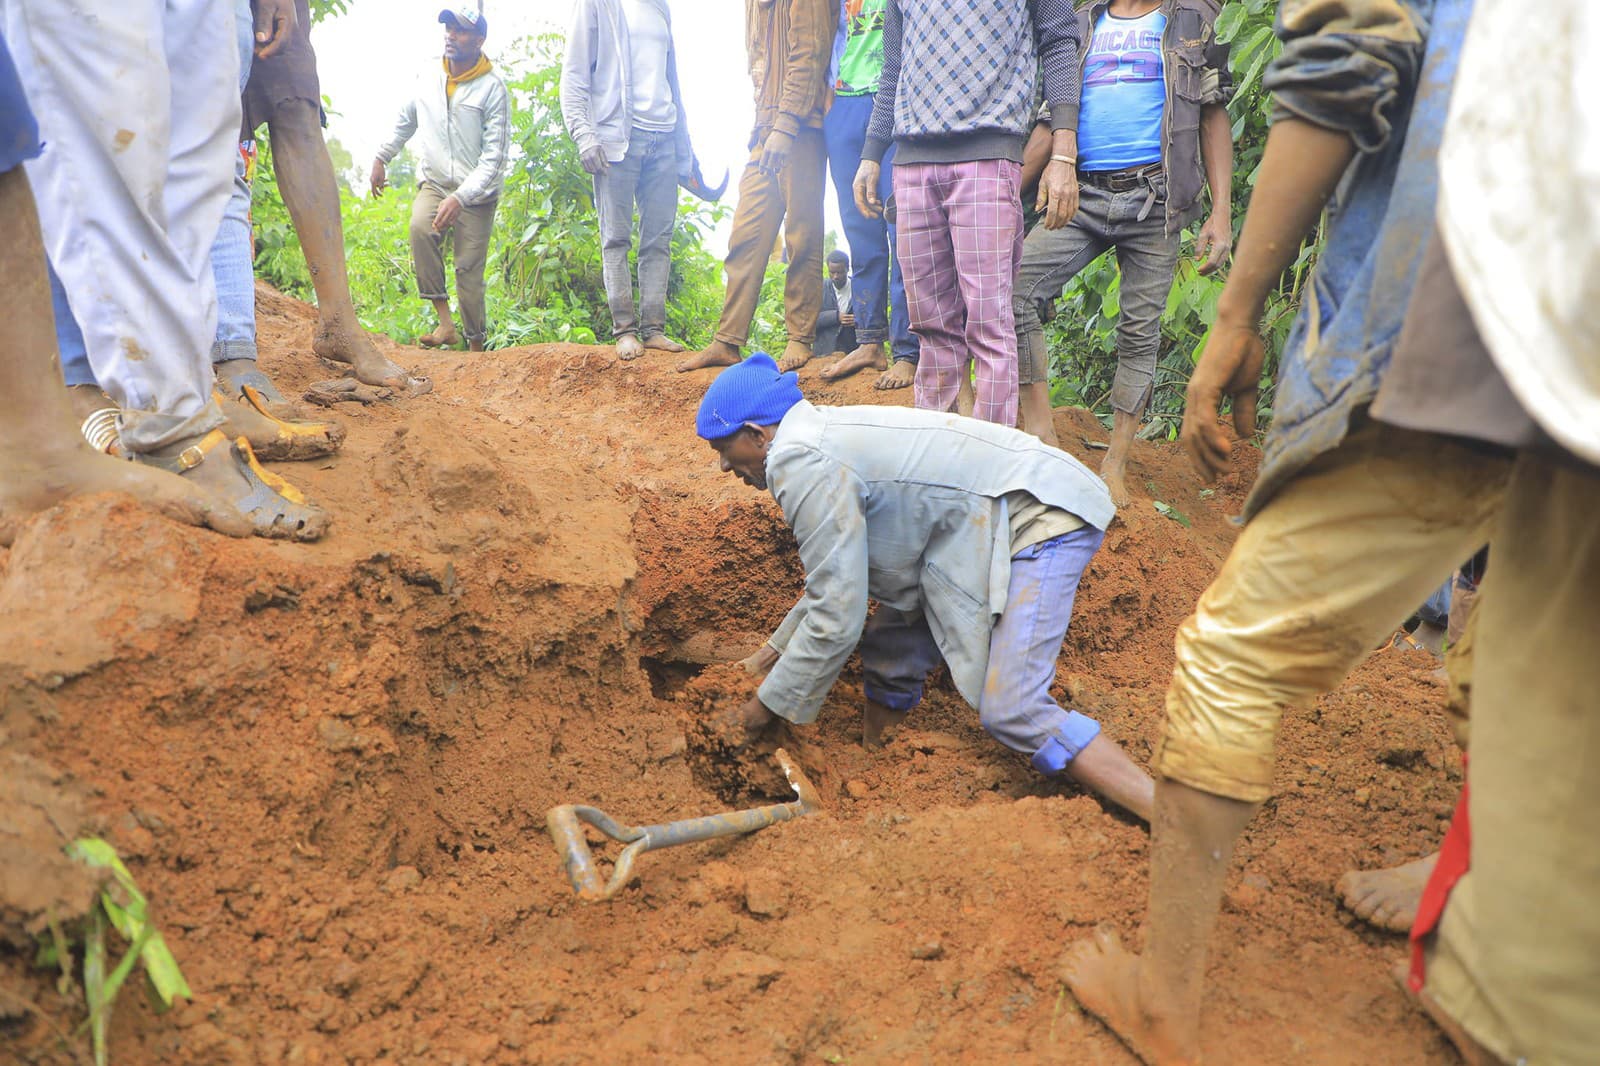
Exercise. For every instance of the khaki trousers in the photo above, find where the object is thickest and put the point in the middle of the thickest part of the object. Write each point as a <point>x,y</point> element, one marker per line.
<point>470,236</point>
<point>1317,579</point>
<point>1516,958</point>
<point>1320,576</point>
<point>791,199</point>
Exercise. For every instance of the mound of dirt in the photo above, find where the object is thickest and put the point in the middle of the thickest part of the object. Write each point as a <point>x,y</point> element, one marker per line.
<point>329,765</point>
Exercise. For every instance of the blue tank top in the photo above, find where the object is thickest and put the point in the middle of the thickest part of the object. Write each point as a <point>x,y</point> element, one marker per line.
<point>1124,94</point>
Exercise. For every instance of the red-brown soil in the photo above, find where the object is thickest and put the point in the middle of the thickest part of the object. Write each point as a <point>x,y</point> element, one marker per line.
<point>329,766</point>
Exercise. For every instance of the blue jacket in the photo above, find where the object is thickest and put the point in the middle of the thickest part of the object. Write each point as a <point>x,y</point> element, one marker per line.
<point>904,506</point>
<point>1388,86</point>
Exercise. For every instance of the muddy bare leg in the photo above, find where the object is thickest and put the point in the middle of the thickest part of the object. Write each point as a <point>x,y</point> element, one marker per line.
<point>1037,415</point>
<point>1387,899</point>
<point>305,178</point>
<point>444,335</point>
<point>1114,467</point>
<point>1152,1002</point>
<point>43,460</point>
<point>1105,769</point>
<point>876,722</point>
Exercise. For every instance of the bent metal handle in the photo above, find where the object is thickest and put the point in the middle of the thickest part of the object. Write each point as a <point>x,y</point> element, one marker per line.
<point>566,829</point>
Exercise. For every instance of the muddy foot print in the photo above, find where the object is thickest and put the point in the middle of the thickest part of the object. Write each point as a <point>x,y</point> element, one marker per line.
<point>1104,977</point>
<point>660,342</point>
<point>1387,899</point>
<point>902,375</point>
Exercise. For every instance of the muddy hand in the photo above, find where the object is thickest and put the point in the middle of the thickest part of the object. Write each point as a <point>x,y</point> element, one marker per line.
<point>749,721</point>
<point>1230,366</point>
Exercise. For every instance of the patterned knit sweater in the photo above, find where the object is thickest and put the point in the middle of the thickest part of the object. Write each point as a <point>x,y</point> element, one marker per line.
<point>961,77</point>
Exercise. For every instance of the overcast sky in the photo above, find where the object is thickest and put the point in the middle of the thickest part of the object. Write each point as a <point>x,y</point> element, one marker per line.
<point>369,57</point>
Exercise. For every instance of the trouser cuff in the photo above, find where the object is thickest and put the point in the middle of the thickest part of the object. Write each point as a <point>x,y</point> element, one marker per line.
<point>148,431</point>
<point>1059,750</point>
<point>895,701</point>
<point>223,351</point>
<point>1240,775</point>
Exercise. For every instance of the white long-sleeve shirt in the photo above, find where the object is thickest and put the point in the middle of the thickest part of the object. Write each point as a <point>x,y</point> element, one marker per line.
<point>463,141</point>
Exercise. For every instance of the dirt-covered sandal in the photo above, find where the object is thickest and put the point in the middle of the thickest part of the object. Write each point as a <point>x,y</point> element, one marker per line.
<point>275,508</point>
<point>291,440</point>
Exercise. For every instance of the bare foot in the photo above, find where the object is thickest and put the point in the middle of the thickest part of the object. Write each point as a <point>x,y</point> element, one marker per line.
<point>1472,1053</point>
<point>795,356</point>
<point>274,438</point>
<point>865,357</point>
<point>36,480</point>
<point>352,348</point>
<point>442,337</point>
<point>1387,899</point>
<point>877,721</point>
<point>477,346</point>
<point>717,354</point>
<point>629,347</point>
<point>660,342</point>
<point>901,375</point>
<point>1115,476</point>
<point>1104,976</point>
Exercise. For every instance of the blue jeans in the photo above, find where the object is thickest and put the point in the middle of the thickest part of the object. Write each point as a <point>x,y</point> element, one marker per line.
<point>873,266</point>
<point>231,264</point>
<point>898,652</point>
<point>647,176</point>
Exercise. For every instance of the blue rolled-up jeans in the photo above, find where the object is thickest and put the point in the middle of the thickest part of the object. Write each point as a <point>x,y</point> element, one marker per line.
<point>878,294</point>
<point>898,652</point>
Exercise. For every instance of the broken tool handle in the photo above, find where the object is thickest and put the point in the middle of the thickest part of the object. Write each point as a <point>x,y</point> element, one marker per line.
<point>566,830</point>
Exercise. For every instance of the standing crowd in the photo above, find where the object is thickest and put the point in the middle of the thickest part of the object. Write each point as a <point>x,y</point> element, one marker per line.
<point>1439,391</point>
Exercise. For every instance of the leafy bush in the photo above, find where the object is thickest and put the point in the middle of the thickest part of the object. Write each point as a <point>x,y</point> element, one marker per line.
<point>543,276</point>
<point>1082,337</point>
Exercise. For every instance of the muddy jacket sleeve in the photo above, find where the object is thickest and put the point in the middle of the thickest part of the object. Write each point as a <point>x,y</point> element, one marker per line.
<point>1346,65</point>
<point>805,65</point>
<point>404,127</point>
<point>825,504</point>
<point>484,182</point>
<point>576,66</point>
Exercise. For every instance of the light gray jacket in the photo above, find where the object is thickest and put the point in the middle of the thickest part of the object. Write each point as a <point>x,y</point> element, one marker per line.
<point>904,506</point>
<point>464,143</point>
<point>595,90</point>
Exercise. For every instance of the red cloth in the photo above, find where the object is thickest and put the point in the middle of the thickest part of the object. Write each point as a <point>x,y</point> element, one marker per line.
<point>1455,858</point>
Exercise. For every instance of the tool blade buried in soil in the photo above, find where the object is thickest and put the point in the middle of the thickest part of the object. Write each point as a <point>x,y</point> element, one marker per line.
<point>566,829</point>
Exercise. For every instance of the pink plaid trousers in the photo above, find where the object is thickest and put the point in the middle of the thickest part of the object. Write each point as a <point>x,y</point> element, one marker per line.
<point>960,245</point>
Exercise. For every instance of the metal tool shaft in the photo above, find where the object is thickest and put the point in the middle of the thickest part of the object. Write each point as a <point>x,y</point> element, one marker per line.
<point>566,829</point>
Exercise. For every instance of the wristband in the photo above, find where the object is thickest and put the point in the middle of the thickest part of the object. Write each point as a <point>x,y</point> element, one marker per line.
<point>1067,159</point>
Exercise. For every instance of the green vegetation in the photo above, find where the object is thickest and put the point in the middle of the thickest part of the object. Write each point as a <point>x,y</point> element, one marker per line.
<point>544,273</point>
<point>119,906</point>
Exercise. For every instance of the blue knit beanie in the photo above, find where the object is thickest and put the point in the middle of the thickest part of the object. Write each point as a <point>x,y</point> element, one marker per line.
<point>752,391</point>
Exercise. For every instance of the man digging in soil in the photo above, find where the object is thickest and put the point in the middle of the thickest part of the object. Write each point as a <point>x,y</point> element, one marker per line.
<point>971,536</point>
